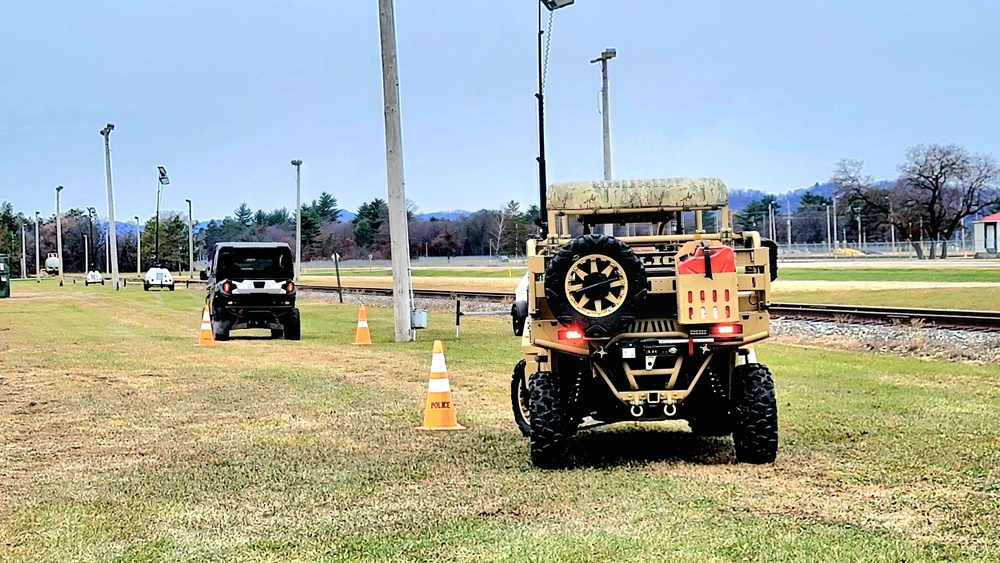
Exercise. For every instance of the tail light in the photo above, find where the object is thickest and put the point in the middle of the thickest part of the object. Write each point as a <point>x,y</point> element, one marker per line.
<point>227,287</point>
<point>726,330</point>
<point>289,287</point>
<point>570,334</point>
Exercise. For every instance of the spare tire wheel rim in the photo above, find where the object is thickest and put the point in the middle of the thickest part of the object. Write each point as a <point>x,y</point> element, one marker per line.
<point>596,285</point>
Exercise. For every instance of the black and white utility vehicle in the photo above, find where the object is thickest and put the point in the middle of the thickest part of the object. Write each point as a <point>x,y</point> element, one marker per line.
<point>251,286</point>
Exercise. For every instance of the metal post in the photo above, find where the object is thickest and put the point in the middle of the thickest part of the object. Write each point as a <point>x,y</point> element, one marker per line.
<point>91,212</point>
<point>24,252</point>
<point>398,228</point>
<point>770,220</point>
<point>606,56</point>
<point>834,222</point>
<point>190,242</point>
<point>163,179</point>
<point>112,235</point>
<point>336,265</point>
<point>38,261</point>
<point>138,248</point>
<point>859,229</point>
<point>86,253</point>
<point>543,206</point>
<point>298,217</point>
<point>828,247</point>
<point>59,235</point>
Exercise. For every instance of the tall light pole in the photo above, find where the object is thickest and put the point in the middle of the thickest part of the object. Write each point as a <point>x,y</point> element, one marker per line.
<point>59,235</point>
<point>91,215</point>
<point>86,253</point>
<point>24,252</point>
<point>828,238</point>
<point>38,260</point>
<point>298,217</point>
<point>162,180</point>
<point>543,208</point>
<point>138,248</point>
<point>399,236</point>
<point>190,242</point>
<point>112,234</point>
<point>606,56</point>
<point>835,243</point>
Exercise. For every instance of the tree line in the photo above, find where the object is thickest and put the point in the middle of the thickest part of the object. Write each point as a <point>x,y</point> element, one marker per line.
<point>484,232</point>
<point>938,188</point>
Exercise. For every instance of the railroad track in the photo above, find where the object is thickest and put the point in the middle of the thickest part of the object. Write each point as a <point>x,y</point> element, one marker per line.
<point>938,318</point>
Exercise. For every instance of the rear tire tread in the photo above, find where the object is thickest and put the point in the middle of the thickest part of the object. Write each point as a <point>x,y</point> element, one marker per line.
<point>756,414</point>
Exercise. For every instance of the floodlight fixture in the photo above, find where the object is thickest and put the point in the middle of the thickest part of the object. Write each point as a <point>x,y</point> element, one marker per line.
<point>556,4</point>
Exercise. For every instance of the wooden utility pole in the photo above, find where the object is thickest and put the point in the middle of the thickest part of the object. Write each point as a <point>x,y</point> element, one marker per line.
<point>398,228</point>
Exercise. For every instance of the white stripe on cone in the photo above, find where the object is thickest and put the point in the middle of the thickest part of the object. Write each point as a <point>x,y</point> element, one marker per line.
<point>438,386</point>
<point>362,324</point>
<point>438,365</point>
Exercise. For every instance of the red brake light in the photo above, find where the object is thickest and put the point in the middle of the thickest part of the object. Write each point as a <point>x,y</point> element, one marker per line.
<point>289,287</point>
<point>227,287</point>
<point>571,334</point>
<point>726,330</point>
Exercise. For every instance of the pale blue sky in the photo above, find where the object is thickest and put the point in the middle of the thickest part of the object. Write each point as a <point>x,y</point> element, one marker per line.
<point>764,95</point>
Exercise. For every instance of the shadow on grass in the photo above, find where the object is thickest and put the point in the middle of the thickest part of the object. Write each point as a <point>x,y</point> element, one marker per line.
<point>621,445</point>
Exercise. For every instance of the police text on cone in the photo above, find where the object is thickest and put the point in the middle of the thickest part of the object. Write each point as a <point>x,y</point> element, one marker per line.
<point>439,410</point>
<point>205,336</point>
<point>362,336</point>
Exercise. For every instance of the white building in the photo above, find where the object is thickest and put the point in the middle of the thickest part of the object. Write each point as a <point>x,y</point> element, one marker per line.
<point>984,233</point>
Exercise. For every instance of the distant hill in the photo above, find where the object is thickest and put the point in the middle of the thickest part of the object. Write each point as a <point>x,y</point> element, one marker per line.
<point>447,215</point>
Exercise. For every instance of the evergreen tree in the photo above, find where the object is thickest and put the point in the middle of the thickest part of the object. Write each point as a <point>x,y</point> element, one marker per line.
<point>326,208</point>
<point>244,215</point>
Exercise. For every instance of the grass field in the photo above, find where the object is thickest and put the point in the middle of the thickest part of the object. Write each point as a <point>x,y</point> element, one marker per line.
<point>120,440</point>
<point>938,274</point>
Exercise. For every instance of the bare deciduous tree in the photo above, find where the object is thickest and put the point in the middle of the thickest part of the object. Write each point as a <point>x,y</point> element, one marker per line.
<point>938,187</point>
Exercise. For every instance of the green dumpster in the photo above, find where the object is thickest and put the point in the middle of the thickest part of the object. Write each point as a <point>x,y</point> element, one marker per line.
<point>4,276</point>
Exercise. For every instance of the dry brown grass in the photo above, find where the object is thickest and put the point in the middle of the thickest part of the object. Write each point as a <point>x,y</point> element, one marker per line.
<point>120,440</point>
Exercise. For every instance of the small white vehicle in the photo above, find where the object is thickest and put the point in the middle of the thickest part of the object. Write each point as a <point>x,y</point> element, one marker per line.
<point>158,277</point>
<point>94,276</point>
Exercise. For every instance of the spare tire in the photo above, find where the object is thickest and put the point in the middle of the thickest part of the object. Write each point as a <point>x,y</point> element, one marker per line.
<point>594,283</point>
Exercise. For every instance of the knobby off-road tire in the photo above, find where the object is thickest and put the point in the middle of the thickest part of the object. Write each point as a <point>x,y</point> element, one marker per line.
<point>293,325</point>
<point>548,419</point>
<point>519,399</point>
<point>220,328</point>
<point>756,414</point>
<point>609,280</point>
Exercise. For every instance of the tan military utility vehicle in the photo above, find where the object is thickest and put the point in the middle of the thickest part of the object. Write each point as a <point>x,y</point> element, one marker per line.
<point>655,326</point>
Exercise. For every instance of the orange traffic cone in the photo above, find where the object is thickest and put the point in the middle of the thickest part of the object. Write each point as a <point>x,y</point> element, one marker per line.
<point>205,337</point>
<point>439,411</point>
<point>362,336</point>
